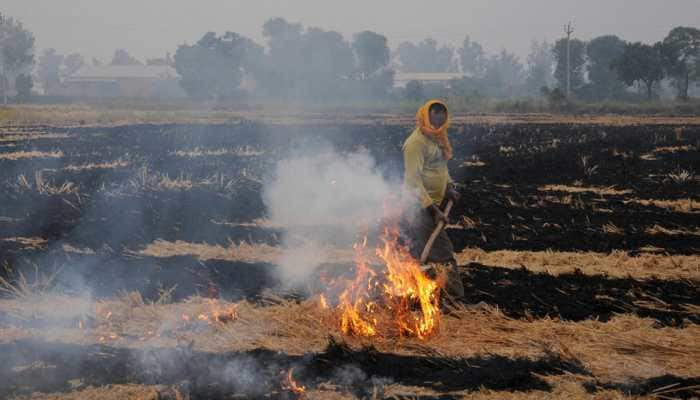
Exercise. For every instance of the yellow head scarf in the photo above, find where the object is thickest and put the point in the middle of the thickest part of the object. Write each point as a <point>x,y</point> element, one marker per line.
<point>438,134</point>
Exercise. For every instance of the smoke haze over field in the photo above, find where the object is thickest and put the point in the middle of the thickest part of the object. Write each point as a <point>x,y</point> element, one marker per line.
<point>320,197</point>
<point>150,29</point>
<point>326,189</point>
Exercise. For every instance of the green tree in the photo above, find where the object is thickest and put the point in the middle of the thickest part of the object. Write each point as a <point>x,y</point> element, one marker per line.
<point>556,98</point>
<point>414,91</point>
<point>374,79</point>
<point>283,65</point>
<point>472,58</point>
<point>504,76</point>
<point>372,52</point>
<point>213,67</point>
<point>16,52</point>
<point>540,67</point>
<point>301,63</point>
<point>380,84</point>
<point>641,63</point>
<point>49,70</point>
<point>23,86</point>
<point>681,52</point>
<point>426,56</point>
<point>576,64</point>
<point>603,52</point>
<point>329,61</point>
<point>318,65</point>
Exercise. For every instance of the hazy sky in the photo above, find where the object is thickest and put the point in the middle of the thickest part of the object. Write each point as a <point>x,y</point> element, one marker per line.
<point>150,28</point>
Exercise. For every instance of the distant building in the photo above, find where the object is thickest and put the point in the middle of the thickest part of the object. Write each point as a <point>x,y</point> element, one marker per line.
<point>402,78</point>
<point>131,81</point>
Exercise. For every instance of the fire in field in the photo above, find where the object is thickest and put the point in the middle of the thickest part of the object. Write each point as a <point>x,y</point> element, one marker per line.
<point>349,200</point>
<point>157,261</point>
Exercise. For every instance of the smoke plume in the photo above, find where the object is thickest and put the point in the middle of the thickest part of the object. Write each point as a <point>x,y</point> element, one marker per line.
<point>323,199</point>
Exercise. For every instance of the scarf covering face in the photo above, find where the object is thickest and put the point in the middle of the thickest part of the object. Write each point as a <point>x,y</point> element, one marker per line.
<point>439,135</point>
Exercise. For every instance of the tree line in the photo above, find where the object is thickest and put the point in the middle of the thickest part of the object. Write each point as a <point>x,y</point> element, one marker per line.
<point>606,66</point>
<point>603,68</point>
<point>298,63</point>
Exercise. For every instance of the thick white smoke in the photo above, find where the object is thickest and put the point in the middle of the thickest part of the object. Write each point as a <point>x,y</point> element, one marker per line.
<point>323,198</point>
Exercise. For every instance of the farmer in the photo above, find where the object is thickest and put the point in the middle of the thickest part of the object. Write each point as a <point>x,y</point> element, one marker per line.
<point>425,153</point>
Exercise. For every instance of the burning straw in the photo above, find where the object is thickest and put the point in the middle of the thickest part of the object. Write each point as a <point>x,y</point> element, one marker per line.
<point>398,301</point>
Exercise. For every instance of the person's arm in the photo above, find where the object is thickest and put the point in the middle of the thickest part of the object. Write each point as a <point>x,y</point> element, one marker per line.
<point>414,160</point>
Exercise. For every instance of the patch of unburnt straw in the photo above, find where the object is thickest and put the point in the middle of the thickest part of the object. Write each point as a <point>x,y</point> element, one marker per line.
<point>617,263</point>
<point>19,155</point>
<point>15,137</point>
<point>688,205</point>
<point>92,166</point>
<point>233,252</point>
<point>245,151</point>
<point>602,191</point>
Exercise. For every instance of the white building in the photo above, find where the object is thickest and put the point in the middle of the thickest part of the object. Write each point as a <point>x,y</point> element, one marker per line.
<point>132,81</point>
<point>402,78</point>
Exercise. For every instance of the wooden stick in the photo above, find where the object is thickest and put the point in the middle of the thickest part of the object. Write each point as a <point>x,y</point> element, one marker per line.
<point>440,226</point>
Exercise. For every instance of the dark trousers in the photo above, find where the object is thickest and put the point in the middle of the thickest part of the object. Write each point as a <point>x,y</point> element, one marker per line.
<point>418,231</point>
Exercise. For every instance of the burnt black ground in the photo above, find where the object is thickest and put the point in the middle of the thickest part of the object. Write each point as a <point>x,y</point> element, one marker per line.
<point>520,293</point>
<point>523,157</point>
<point>261,372</point>
<point>669,386</point>
<point>113,212</point>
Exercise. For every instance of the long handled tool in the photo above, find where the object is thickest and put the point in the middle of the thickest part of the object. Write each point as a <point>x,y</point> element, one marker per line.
<point>440,226</point>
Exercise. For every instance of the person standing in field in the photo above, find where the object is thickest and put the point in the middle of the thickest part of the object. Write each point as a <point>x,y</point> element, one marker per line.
<point>426,177</point>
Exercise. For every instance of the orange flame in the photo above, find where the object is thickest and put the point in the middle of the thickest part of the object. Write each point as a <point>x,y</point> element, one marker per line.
<point>356,307</point>
<point>218,315</point>
<point>407,283</point>
<point>291,385</point>
<point>224,314</point>
<point>323,302</point>
<point>405,299</point>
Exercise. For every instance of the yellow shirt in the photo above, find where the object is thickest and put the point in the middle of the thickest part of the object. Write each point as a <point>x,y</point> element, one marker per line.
<point>426,173</point>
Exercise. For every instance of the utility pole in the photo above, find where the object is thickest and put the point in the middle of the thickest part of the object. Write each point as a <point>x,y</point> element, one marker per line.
<point>568,29</point>
<point>3,83</point>
<point>3,86</point>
